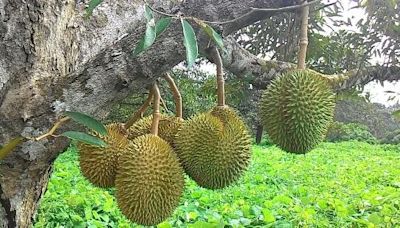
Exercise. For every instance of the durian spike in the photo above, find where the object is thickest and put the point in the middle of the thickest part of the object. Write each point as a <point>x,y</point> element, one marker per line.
<point>301,57</point>
<point>156,110</point>
<point>220,77</point>
<point>139,113</point>
<point>176,94</point>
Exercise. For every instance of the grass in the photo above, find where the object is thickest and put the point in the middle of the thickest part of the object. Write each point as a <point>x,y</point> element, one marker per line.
<point>348,184</point>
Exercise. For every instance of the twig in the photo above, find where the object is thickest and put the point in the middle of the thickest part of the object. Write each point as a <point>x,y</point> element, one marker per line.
<point>156,110</point>
<point>324,6</point>
<point>265,10</point>
<point>53,129</point>
<point>139,113</point>
<point>164,104</point>
<point>159,12</point>
<point>252,10</point>
<point>176,94</point>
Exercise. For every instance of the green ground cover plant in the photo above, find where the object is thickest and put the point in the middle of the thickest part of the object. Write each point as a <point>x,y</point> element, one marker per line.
<point>347,184</point>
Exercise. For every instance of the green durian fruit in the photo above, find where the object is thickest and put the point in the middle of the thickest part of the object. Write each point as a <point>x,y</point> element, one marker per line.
<point>214,148</point>
<point>150,180</point>
<point>167,128</point>
<point>296,110</point>
<point>99,164</point>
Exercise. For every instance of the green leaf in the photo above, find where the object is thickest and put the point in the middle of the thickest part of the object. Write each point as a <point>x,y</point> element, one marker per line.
<point>268,216</point>
<point>148,13</point>
<point>396,115</point>
<point>190,43</point>
<point>164,225</point>
<point>92,5</point>
<point>149,36</point>
<point>162,25</point>
<point>150,33</point>
<point>6,149</point>
<point>88,121</point>
<point>139,47</point>
<point>211,33</point>
<point>85,138</point>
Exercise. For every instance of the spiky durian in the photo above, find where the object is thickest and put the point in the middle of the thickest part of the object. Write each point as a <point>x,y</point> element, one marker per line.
<point>99,164</point>
<point>167,128</point>
<point>214,148</point>
<point>150,180</point>
<point>296,110</point>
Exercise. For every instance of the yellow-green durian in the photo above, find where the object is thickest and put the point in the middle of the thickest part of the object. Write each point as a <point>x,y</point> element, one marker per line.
<point>214,148</point>
<point>296,110</point>
<point>99,164</point>
<point>150,180</point>
<point>167,128</point>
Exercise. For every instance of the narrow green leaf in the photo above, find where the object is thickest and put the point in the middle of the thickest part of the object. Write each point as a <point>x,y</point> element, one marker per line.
<point>150,33</point>
<point>85,138</point>
<point>148,13</point>
<point>162,25</point>
<point>139,47</point>
<point>215,36</point>
<point>92,5</point>
<point>146,41</point>
<point>190,42</point>
<point>149,36</point>
<point>211,33</point>
<point>6,149</point>
<point>88,121</point>
<point>396,115</point>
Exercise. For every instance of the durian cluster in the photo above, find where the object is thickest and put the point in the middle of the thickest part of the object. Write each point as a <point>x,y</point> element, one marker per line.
<point>296,110</point>
<point>212,148</point>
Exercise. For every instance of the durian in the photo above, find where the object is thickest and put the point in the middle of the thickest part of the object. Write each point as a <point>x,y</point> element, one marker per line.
<point>214,148</point>
<point>296,110</point>
<point>99,164</point>
<point>150,180</point>
<point>167,128</point>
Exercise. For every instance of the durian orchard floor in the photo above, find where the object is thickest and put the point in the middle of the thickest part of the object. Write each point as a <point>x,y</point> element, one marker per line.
<point>337,185</point>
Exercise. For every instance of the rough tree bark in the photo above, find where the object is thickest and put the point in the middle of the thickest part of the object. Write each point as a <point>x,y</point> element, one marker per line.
<point>52,60</point>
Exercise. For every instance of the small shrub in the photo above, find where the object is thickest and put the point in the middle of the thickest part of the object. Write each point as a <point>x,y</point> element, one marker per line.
<point>392,138</point>
<point>339,131</point>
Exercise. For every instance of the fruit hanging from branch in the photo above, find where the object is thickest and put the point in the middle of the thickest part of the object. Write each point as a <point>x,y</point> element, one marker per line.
<point>297,107</point>
<point>149,181</point>
<point>214,147</point>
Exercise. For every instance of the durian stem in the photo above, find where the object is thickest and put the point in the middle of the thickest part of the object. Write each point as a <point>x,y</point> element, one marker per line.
<point>156,110</point>
<point>301,57</point>
<point>139,113</point>
<point>176,94</point>
<point>220,77</point>
<point>53,129</point>
<point>164,105</point>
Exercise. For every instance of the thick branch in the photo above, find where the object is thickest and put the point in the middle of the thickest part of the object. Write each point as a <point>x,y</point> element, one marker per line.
<point>260,72</point>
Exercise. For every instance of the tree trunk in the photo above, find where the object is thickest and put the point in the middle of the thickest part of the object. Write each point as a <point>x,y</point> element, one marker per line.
<point>52,59</point>
<point>259,134</point>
